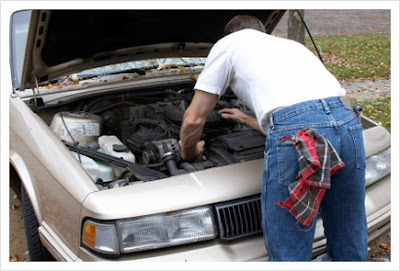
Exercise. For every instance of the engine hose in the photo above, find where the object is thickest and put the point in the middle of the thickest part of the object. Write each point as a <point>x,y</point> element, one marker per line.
<point>188,167</point>
<point>171,165</point>
<point>173,113</point>
<point>154,165</point>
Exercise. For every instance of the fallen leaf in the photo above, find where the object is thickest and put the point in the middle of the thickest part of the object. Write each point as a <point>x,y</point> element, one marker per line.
<point>378,259</point>
<point>14,258</point>
<point>59,84</point>
<point>383,245</point>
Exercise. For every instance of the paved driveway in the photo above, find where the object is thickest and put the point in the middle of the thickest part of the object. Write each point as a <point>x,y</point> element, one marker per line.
<point>324,22</point>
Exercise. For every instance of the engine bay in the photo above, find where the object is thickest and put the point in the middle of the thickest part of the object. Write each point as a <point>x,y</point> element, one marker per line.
<point>147,127</point>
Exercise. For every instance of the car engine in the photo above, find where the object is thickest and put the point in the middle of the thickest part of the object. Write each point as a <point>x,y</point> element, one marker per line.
<point>149,127</point>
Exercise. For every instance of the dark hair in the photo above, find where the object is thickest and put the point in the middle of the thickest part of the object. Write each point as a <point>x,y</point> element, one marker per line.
<point>240,22</point>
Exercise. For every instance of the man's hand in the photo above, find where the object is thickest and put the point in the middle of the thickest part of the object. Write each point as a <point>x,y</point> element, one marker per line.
<point>198,150</point>
<point>235,115</point>
<point>241,118</point>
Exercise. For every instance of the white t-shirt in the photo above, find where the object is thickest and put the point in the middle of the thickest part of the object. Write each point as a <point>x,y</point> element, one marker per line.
<point>266,72</point>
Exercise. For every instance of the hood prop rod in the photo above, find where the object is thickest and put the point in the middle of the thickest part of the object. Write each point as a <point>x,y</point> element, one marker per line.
<point>36,88</point>
<point>309,34</point>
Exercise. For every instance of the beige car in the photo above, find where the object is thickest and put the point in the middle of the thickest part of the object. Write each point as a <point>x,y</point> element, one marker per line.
<point>95,111</point>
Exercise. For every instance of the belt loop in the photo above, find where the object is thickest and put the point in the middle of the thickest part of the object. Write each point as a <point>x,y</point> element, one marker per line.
<point>271,121</point>
<point>326,107</point>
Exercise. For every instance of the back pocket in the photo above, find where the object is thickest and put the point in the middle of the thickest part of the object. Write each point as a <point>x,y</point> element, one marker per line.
<point>356,134</point>
<point>288,165</point>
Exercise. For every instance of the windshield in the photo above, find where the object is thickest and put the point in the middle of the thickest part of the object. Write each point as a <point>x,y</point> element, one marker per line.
<point>18,34</point>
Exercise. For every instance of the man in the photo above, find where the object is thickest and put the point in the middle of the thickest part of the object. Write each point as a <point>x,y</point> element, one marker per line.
<point>289,89</point>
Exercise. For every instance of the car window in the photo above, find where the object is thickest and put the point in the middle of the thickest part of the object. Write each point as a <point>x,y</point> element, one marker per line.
<point>18,34</point>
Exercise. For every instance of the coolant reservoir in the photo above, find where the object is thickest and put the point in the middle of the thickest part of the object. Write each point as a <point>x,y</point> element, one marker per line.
<point>113,146</point>
<point>96,169</point>
<point>83,127</point>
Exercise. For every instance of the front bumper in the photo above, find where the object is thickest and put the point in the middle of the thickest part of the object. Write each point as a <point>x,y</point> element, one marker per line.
<point>246,249</point>
<point>241,250</point>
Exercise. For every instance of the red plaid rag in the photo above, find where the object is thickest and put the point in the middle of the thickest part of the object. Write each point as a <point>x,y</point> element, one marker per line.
<point>318,160</point>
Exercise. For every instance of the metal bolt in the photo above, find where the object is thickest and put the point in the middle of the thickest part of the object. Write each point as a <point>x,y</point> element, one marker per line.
<point>358,108</point>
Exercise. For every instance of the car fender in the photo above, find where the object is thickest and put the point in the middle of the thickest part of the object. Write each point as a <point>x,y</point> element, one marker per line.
<point>26,179</point>
<point>55,182</point>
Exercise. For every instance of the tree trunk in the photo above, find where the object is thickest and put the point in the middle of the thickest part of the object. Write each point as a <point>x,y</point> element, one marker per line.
<point>295,26</point>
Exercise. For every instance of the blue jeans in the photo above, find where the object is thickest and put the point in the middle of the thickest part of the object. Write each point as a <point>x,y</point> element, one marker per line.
<point>343,207</point>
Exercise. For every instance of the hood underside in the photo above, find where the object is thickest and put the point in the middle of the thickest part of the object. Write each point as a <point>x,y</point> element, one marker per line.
<point>62,42</point>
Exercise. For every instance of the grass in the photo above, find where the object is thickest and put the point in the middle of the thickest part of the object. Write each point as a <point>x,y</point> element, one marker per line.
<point>353,57</point>
<point>359,57</point>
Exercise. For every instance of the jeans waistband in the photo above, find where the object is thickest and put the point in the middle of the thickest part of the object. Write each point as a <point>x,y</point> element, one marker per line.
<point>319,104</point>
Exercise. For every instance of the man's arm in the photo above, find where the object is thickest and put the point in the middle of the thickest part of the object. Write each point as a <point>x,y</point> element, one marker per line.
<point>241,118</point>
<point>193,122</point>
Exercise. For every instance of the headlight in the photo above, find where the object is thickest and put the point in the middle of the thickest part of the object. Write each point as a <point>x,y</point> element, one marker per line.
<point>149,232</point>
<point>169,229</point>
<point>378,166</point>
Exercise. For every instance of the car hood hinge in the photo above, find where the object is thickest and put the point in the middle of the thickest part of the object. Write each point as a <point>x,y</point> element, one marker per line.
<point>35,91</point>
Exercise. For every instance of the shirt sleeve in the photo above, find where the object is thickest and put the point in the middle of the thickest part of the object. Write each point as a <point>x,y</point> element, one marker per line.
<point>217,73</point>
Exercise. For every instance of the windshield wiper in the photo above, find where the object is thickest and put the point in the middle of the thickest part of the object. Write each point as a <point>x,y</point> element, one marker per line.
<point>134,70</point>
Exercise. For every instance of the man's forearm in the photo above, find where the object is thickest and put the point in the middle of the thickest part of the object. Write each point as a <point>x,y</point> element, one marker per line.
<point>191,131</point>
<point>193,122</point>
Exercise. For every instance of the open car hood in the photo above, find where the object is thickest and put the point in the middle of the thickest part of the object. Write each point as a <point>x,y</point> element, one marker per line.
<point>61,42</point>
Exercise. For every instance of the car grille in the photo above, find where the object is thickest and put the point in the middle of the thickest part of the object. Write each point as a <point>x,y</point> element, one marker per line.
<point>239,218</point>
